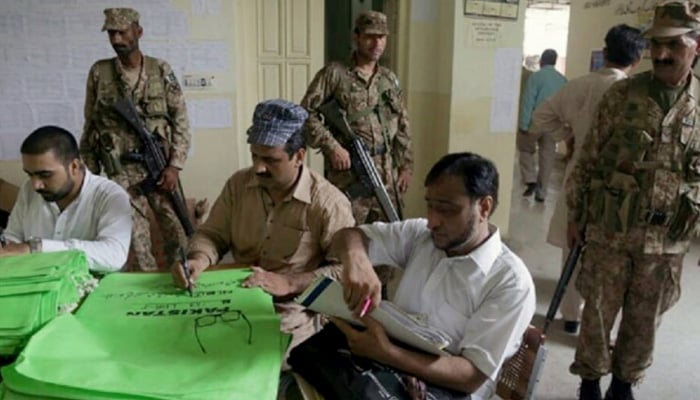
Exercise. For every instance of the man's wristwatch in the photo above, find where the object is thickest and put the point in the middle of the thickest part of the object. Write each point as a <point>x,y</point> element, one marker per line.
<point>34,244</point>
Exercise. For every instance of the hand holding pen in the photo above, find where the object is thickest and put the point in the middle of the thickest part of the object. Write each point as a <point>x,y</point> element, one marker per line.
<point>186,271</point>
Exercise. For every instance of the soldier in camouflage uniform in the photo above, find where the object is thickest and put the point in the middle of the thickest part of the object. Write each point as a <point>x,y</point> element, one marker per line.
<point>108,143</point>
<point>636,189</point>
<point>372,101</point>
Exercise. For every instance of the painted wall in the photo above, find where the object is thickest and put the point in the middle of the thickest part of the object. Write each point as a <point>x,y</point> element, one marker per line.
<point>216,152</point>
<point>590,21</point>
<point>473,79</point>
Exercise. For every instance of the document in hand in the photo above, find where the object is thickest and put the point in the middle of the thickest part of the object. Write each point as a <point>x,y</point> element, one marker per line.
<point>325,296</point>
<point>138,337</point>
<point>34,289</point>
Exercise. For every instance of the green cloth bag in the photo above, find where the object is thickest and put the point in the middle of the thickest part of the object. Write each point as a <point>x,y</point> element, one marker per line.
<point>137,336</point>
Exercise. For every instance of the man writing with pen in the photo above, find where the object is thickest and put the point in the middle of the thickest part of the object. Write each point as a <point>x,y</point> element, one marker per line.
<point>458,275</point>
<point>278,217</point>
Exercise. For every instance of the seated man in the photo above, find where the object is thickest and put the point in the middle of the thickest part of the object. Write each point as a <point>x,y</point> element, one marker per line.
<point>63,206</point>
<point>277,216</point>
<point>457,274</point>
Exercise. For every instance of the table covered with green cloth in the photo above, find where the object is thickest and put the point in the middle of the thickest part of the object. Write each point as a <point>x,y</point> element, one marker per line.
<point>138,337</point>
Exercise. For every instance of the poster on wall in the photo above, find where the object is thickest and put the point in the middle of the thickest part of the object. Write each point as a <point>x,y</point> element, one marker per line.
<point>597,60</point>
<point>492,8</point>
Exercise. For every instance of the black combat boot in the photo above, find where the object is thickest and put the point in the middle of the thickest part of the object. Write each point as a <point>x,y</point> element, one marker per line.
<point>590,390</point>
<point>619,390</point>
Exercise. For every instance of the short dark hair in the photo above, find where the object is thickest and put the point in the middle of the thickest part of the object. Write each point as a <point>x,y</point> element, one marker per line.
<point>51,138</point>
<point>295,143</point>
<point>624,45</point>
<point>548,57</point>
<point>479,174</point>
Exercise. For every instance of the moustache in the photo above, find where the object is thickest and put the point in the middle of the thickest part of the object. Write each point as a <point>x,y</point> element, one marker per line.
<point>264,175</point>
<point>663,61</point>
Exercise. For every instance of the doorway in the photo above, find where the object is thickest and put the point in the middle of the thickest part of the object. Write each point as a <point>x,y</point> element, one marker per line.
<point>339,23</point>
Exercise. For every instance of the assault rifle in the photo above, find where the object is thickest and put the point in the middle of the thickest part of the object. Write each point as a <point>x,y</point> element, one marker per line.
<point>153,159</point>
<point>370,182</point>
<point>566,273</point>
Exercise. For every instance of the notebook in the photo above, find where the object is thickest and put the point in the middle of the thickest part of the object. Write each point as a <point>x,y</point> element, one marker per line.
<point>325,296</point>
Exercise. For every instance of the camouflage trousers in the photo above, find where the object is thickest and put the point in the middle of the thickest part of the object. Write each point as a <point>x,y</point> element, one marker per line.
<point>141,257</point>
<point>644,286</point>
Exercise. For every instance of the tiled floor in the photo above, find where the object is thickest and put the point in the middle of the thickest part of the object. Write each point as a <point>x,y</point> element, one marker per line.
<point>675,373</point>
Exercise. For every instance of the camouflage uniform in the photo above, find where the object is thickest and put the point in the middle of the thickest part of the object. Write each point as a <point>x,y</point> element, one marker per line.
<point>107,139</point>
<point>636,186</point>
<point>375,110</point>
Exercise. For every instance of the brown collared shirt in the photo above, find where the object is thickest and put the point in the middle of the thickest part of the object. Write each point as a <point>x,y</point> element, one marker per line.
<point>293,236</point>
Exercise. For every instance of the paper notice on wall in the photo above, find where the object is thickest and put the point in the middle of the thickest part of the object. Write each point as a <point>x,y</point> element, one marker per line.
<point>210,114</point>
<point>206,7</point>
<point>485,33</point>
<point>208,56</point>
<point>506,83</point>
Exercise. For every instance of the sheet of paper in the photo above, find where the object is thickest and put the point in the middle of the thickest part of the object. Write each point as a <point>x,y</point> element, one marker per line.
<point>206,114</point>
<point>206,7</point>
<point>208,56</point>
<point>506,83</point>
<point>58,113</point>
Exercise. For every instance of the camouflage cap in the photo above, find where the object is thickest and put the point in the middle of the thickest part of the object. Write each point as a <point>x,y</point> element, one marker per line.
<point>674,18</point>
<point>275,121</point>
<point>119,18</point>
<point>371,22</point>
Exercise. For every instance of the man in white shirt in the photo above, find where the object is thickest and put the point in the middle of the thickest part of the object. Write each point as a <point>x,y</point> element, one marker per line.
<point>457,273</point>
<point>567,116</point>
<point>63,206</point>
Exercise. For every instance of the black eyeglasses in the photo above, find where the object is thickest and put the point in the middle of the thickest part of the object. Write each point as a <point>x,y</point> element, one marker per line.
<point>227,317</point>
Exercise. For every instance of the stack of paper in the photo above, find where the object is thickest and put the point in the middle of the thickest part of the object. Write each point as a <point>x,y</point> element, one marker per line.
<point>34,289</point>
<point>325,296</point>
<point>138,337</point>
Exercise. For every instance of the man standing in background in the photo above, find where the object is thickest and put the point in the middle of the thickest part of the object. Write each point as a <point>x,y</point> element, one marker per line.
<point>540,86</point>
<point>567,115</point>
<point>372,101</point>
<point>109,144</point>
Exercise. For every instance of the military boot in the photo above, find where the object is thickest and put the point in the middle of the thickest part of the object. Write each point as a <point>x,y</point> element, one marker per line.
<point>589,390</point>
<point>619,390</point>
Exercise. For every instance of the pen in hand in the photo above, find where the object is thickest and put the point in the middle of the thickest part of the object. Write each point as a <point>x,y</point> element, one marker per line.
<point>186,270</point>
<point>365,307</point>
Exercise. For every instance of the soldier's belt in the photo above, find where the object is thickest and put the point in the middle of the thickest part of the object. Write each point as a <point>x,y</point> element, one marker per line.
<point>656,217</point>
<point>131,157</point>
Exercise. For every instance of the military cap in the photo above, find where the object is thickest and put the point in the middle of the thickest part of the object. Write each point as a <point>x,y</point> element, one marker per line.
<point>674,18</point>
<point>275,121</point>
<point>371,22</point>
<point>119,19</point>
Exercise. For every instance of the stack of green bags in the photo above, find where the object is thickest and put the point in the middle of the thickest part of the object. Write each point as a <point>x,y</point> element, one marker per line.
<point>138,337</point>
<point>36,288</point>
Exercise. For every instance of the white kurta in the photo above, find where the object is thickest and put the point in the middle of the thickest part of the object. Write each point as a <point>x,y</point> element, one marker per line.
<point>574,105</point>
<point>484,300</point>
<point>97,221</point>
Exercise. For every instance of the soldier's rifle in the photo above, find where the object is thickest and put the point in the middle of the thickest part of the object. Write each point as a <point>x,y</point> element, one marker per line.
<point>153,159</point>
<point>362,164</point>
<point>567,271</point>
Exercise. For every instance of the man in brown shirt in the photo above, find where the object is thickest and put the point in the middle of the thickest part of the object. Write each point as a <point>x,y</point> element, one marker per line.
<point>277,216</point>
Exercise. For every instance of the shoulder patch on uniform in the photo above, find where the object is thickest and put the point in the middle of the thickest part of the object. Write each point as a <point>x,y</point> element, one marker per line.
<point>170,78</point>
